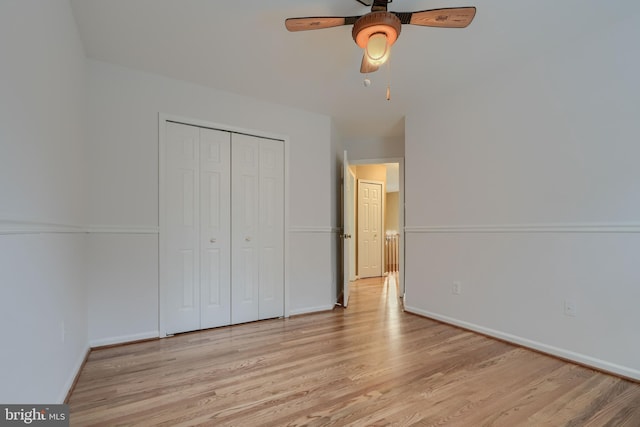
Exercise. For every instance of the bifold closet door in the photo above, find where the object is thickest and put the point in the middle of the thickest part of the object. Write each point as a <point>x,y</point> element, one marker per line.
<point>215,232</point>
<point>257,211</point>
<point>197,235</point>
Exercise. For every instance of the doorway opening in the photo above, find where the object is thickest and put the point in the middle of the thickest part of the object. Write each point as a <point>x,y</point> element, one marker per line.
<point>373,214</point>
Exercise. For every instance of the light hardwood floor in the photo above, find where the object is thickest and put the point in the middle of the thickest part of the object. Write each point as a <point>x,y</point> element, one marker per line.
<point>368,365</point>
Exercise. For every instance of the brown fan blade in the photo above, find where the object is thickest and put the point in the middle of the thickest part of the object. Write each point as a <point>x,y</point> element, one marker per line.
<point>304,24</point>
<point>454,17</point>
<point>366,67</point>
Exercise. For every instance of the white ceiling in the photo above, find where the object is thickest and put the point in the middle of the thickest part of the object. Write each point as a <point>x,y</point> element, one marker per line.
<point>243,47</point>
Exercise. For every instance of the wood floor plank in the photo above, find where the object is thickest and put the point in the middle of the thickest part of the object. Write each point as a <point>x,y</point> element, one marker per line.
<point>368,365</point>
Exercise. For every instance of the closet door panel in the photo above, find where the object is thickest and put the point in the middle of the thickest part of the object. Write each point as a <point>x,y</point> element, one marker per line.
<point>223,228</point>
<point>215,233</point>
<point>271,225</point>
<point>182,218</point>
<point>245,155</point>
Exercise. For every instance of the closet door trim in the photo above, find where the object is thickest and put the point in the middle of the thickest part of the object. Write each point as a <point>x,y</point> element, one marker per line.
<point>163,118</point>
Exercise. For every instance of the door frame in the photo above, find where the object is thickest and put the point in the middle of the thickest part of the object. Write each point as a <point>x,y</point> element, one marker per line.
<point>162,285</point>
<point>401,212</point>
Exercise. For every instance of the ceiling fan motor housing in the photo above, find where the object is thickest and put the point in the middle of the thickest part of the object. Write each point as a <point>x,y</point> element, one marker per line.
<point>373,23</point>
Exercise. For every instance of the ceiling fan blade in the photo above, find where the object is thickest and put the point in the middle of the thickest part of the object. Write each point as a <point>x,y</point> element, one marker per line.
<point>316,23</point>
<point>366,67</point>
<point>453,17</point>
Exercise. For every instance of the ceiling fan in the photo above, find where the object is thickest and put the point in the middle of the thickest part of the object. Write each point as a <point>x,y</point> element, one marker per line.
<point>378,30</point>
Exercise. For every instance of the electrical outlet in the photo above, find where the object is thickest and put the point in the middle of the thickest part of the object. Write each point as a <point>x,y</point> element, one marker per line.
<point>570,308</point>
<point>456,288</point>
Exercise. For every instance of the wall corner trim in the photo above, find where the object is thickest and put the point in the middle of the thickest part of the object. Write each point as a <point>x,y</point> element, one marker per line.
<point>26,226</point>
<point>19,226</point>
<point>313,229</point>
<point>122,229</point>
<point>608,227</point>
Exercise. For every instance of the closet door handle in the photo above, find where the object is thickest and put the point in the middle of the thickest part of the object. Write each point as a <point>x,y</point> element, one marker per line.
<point>212,240</point>
<point>247,239</point>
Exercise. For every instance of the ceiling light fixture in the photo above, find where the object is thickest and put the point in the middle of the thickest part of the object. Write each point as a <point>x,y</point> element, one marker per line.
<point>376,32</point>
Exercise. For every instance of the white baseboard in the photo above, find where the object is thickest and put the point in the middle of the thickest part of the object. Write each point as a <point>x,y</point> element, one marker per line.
<point>308,310</point>
<point>123,339</point>
<point>74,374</point>
<point>581,359</point>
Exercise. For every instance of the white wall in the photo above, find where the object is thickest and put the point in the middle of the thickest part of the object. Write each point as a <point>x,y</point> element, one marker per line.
<point>526,192</point>
<point>123,178</point>
<point>42,166</point>
<point>123,297</point>
<point>375,148</point>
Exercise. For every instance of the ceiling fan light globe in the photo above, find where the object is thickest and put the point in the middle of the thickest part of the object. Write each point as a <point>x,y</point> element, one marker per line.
<point>377,47</point>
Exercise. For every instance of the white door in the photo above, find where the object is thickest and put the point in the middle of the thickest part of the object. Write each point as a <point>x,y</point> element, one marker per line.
<point>348,229</point>
<point>257,214</point>
<point>181,234</point>
<point>215,233</point>
<point>222,237</point>
<point>271,225</point>
<point>370,195</point>
<point>197,245</point>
